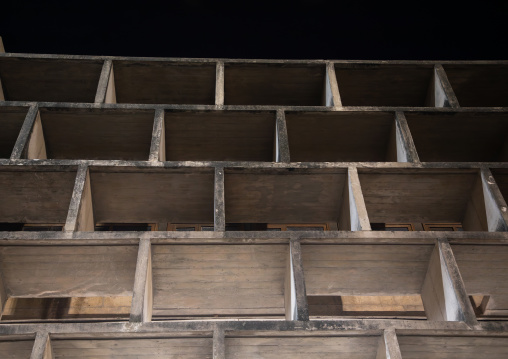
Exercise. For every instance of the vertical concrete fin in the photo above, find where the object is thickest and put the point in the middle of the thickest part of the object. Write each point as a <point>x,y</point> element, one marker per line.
<point>219,215</point>
<point>444,95</point>
<point>142,296</point>
<point>21,147</point>
<point>80,216</point>
<point>458,306</point>
<point>289,288</point>
<point>219,346</point>
<point>432,292</point>
<point>36,144</point>
<point>302,308</point>
<point>158,145</point>
<point>104,83</point>
<point>282,142</point>
<point>111,89</point>
<point>357,209</point>
<point>392,348</point>
<point>219,84</point>
<point>332,94</point>
<point>406,150</point>
<point>42,348</point>
<point>495,204</point>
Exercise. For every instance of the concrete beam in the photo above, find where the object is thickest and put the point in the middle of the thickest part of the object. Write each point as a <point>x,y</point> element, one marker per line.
<point>281,139</point>
<point>208,237</point>
<point>219,85</point>
<point>158,145</point>
<point>357,210</point>
<point>142,296</point>
<point>444,95</point>
<point>80,216</point>
<point>332,94</point>
<point>106,92</point>
<point>42,347</point>
<point>406,150</point>
<point>495,204</point>
<point>190,107</point>
<point>306,327</point>
<point>219,212</point>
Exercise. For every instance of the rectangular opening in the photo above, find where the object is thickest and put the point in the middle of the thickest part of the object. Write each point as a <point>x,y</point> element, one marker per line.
<point>49,80</point>
<point>287,196</point>
<point>220,136</point>
<point>54,282</point>
<point>163,82</point>
<point>341,136</point>
<point>302,347</point>
<point>484,270</point>
<point>451,198</point>
<point>408,227</point>
<point>459,137</point>
<point>34,197</point>
<point>180,345</point>
<point>40,227</point>
<point>112,227</point>
<point>365,280</point>
<point>179,227</point>
<point>384,85</point>
<point>11,119</point>
<point>452,346</point>
<point>214,281</point>
<point>396,306</point>
<point>274,84</point>
<point>478,85</point>
<point>67,308</point>
<point>148,196</point>
<point>318,227</point>
<point>97,134</point>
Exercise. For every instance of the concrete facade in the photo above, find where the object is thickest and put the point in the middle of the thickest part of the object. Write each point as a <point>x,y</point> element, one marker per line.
<point>224,169</point>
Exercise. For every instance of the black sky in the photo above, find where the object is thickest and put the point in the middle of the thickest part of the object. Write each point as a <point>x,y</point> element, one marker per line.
<point>301,29</point>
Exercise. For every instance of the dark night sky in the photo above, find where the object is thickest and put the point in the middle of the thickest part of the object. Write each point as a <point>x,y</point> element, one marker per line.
<point>301,29</point>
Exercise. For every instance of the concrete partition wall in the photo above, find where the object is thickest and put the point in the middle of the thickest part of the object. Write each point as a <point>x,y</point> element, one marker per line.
<point>226,280</point>
<point>49,80</point>
<point>289,196</point>
<point>431,196</point>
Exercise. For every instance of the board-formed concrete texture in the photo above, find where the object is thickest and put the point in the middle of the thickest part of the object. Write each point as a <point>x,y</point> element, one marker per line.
<point>215,208</point>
